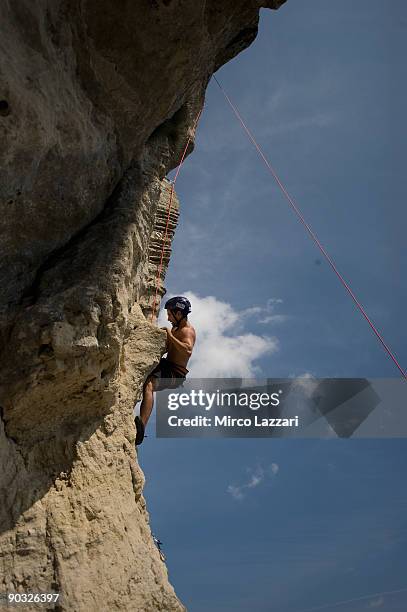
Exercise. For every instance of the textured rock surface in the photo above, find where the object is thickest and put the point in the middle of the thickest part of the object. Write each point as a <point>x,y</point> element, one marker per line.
<point>159,251</point>
<point>97,100</point>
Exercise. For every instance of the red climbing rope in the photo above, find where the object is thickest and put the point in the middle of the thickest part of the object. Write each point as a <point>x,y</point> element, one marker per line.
<point>310,231</point>
<point>160,267</point>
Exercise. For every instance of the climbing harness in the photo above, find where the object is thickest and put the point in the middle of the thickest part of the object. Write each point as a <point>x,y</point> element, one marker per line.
<point>308,228</point>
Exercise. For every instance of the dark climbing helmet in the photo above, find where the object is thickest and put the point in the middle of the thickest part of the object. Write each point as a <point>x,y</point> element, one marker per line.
<point>180,304</point>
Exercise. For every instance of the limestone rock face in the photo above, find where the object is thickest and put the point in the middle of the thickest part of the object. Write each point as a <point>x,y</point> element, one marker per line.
<point>159,251</point>
<point>97,101</point>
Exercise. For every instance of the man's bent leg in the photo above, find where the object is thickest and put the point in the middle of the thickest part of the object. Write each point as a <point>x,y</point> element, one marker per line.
<point>147,403</point>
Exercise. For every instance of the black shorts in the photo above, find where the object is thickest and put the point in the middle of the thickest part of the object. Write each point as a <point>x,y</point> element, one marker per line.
<point>168,375</point>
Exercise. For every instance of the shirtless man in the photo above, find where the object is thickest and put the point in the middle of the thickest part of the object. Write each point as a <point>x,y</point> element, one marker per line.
<point>171,371</point>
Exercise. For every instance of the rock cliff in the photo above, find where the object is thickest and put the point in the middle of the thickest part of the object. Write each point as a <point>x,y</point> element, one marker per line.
<point>97,100</point>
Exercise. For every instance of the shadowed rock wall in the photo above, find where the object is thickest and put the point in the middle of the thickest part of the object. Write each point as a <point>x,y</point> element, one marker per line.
<point>97,99</point>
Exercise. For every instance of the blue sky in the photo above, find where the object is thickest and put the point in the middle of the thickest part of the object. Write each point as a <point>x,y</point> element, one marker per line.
<point>323,89</point>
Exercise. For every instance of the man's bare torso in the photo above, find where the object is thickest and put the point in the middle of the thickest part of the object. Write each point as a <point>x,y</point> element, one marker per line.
<point>181,353</point>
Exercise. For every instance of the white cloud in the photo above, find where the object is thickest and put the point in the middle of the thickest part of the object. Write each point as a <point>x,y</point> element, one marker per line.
<point>274,468</point>
<point>256,477</point>
<point>311,119</point>
<point>376,603</point>
<point>266,314</point>
<point>222,348</point>
<point>235,492</point>
<point>306,383</point>
<point>274,319</point>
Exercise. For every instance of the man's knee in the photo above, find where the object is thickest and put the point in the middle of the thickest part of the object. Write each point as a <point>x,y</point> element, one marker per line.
<point>149,385</point>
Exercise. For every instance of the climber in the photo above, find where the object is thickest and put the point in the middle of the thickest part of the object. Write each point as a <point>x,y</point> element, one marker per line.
<point>171,372</point>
